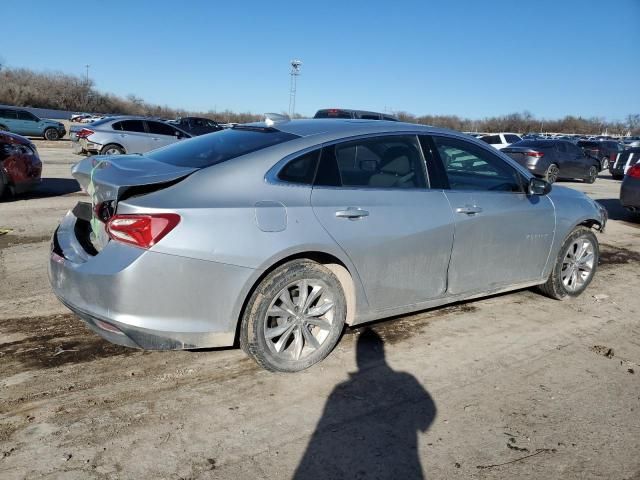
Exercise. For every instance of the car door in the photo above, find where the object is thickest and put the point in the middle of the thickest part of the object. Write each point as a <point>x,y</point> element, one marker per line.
<point>29,123</point>
<point>371,196</point>
<point>161,134</point>
<point>503,235</point>
<point>133,136</point>
<point>581,162</point>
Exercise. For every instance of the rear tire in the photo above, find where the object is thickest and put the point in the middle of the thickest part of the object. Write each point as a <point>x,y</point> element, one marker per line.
<point>617,177</point>
<point>294,318</point>
<point>51,134</point>
<point>580,253</point>
<point>112,149</point>
<point>551,175</point>
<point>592,175</point>
<point>604,164</point>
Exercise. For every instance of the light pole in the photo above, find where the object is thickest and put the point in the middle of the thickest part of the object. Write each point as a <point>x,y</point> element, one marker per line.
<point>295,71</point>
<point>87,74</point>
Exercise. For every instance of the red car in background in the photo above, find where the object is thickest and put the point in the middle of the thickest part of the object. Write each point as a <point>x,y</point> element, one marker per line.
<point>20,165</point>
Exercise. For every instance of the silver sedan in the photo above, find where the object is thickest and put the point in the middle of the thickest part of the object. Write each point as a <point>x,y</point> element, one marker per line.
<point>276,236</point>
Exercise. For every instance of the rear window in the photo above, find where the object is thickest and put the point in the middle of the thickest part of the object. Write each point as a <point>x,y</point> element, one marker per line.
<point>219,147</point>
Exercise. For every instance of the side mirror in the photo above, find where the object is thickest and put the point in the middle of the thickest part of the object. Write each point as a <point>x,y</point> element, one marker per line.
<point>537,186</point>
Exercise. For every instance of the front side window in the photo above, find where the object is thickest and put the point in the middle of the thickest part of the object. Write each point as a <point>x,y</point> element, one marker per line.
<point>470,167</point>
<point>301,170</point>
<point>218,147</point>
<point>26,116</point>
<point>158,128</point>
<point>129,126</point>
<point>382,162</point>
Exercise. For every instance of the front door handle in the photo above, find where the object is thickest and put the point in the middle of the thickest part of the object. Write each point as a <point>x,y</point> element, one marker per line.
<point>352,213</point>
<point>469,209</point>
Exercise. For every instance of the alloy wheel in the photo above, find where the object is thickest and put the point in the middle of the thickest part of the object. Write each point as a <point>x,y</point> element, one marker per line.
<point>300,319</point>
<point>552,173</point>
<point>578,263</point>
<point>112,151</point>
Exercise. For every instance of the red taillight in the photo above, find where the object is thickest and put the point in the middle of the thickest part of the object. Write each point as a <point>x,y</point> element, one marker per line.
<point>534,154</point>
<point>612,157</point>
<point>634,172</point>
<point>84,133</point>
<point>141,230</point>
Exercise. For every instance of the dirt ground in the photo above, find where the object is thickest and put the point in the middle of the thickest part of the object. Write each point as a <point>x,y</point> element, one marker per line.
<point>511,386</point>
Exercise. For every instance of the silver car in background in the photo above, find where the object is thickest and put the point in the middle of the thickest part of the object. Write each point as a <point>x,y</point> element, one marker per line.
<point>125,134</point>
<point>276,236</point>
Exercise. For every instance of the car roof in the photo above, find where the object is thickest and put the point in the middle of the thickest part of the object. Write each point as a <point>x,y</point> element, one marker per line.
<point>339,128</point>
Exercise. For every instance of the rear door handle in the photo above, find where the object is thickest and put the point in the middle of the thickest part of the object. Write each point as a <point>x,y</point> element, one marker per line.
<point>469,209</point>
<point>352,213</point>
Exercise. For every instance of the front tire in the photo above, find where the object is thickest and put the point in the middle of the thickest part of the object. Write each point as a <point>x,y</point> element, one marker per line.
<point>575,265</point>
<point>51,134</point>
<point>294,318</point>
<point>592,175</point>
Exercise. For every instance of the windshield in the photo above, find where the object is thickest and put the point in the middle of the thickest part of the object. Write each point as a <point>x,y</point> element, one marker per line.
<point>219,147</point>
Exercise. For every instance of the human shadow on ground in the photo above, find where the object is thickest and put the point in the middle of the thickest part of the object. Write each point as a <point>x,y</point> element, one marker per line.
<point>371,423</point>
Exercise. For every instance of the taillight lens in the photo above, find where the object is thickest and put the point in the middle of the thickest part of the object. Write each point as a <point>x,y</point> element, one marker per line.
<point>612,157</point>
<point>141,230</point>
<point>534,154</point>
<point>634,172</point>
<point>84,133</point>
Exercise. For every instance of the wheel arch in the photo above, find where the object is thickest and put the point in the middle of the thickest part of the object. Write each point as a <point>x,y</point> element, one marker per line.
<point>115,144</point>
<point>338,267</point>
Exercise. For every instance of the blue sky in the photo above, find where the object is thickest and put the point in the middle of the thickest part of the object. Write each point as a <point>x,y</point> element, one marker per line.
<point>464,57</point>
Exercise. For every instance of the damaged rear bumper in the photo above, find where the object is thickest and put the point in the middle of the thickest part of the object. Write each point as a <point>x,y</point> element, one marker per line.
<point>145,299</point>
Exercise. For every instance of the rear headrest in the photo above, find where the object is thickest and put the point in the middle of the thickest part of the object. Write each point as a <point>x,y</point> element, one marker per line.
<point>399,166</point>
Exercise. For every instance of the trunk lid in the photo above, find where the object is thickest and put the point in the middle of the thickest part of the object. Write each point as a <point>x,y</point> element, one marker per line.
<point>106,179</point>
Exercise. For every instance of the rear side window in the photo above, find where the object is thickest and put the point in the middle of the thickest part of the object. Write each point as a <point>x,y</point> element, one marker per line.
<point>129,126</point>
<point>368,116</point>
<point>383,162</point>
<point>301,170</point>
<point>159,128</point>
<point>219,146</point>
<point>512,138</point>
<point>562,147</point>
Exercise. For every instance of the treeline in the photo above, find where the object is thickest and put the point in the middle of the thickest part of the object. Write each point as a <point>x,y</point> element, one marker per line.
<point>26,88</point>
<point>526,123</point>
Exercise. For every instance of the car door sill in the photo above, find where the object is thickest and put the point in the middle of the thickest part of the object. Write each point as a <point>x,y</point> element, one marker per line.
<point>438,302</point>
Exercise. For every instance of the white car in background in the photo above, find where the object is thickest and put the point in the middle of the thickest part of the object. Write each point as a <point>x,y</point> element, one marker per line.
<point>501,140</point>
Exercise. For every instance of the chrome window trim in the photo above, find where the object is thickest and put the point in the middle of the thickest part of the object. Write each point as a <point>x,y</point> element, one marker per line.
<point>271,177</point>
